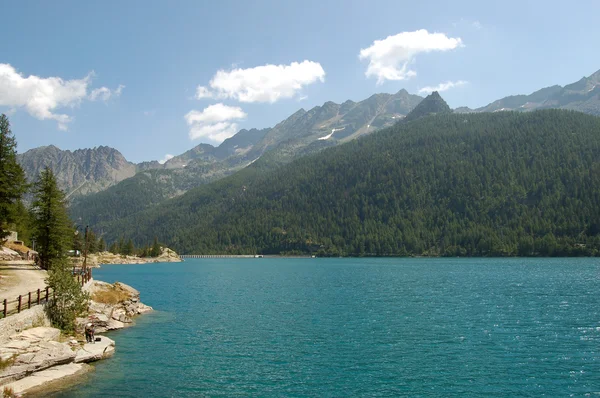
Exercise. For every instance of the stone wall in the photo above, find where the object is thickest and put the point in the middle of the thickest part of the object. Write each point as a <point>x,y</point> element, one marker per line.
<point>35,316</point>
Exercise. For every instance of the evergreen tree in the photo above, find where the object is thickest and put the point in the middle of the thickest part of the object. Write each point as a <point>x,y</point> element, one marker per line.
<point>51,222</point>
<point>69,301</point>
<point>114,248</point>
<point>128,248</point>
<point>12,178</point>
<point>101,244</point>
<point>92,242</point>
<point>155,251</point>
<point>54,236</point>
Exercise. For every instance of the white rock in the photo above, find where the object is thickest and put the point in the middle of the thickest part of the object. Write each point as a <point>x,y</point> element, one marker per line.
<point>45,355</point>
<point>35,335</point>
<point>45,376</point>
<point>91,352</point>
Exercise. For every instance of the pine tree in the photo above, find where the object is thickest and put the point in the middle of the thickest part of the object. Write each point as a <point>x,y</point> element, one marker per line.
<point>51,222</point>
<point>54,236</point>
<point>128,248</point>
<point>155,251</point>
<point>101,245</point>
<point>92,242</point>
<point>12,177</point>
<point>69,301</point>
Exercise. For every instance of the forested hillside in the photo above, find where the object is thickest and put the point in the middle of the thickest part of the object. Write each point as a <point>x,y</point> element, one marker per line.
<point>478,184</point>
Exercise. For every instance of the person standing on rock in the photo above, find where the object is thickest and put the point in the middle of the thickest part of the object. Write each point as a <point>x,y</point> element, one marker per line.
<point>89,333</point>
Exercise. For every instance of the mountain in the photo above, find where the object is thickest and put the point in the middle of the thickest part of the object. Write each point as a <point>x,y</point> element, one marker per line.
<point>489,184</point>
<point>302,133</point>
<point>81,172</point>
<point>433,104</point>
<point>583,96</point>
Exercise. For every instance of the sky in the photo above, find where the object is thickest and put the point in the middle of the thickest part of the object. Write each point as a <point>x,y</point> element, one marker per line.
<point>156,78</point>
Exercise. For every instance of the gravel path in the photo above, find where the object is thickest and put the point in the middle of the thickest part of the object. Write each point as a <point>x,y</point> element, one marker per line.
<point>20,277</point>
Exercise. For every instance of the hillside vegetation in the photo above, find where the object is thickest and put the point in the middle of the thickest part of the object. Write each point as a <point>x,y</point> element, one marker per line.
<point>478,185</point>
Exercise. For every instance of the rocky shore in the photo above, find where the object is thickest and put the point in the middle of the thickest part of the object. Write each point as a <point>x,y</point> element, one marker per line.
<point>33,354</point>
<point>95,260</point>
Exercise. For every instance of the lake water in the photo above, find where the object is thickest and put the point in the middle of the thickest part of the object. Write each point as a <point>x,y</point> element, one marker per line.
<point>356,327</point>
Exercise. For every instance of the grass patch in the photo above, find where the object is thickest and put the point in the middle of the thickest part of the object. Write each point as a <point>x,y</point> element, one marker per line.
<point>112,295</point>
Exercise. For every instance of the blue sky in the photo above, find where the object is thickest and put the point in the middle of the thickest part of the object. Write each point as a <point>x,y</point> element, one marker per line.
<point>127,74</point>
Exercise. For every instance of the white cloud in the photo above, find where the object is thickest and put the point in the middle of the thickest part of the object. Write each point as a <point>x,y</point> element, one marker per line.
<point>389,59</point>
<point>203,92</point>
<point>167,157</point>
<point>41,97</point>
<point>266,83</point>
<point>104,93</point>
<point>215,122</point>
<point>442,86</point>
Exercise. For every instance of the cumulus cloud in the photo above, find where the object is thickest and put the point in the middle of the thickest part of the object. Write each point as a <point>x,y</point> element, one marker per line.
<point>215,122</point>
<point>167,157</point>
<point>390,58</point>
<point>266,83</point>
<point>41,97</point>
<point>104,93</point>
<point>442,86</point>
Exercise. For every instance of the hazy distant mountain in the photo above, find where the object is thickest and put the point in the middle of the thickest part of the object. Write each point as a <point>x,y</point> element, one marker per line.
<point>79,172</point>
<point>583,96</point>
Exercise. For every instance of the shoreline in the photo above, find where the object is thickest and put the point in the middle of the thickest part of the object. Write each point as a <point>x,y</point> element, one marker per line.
<point>40,358</point>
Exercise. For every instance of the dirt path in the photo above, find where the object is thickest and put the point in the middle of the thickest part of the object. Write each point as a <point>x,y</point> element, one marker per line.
<point>20,277</point>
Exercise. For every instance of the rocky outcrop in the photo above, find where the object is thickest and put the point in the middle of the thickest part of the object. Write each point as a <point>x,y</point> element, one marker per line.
<point>33,350</point>
<point>113,306</point>
<point>96,351</point>
<point>37,356</point>
<point>95,260</point>
<point>34,357</point>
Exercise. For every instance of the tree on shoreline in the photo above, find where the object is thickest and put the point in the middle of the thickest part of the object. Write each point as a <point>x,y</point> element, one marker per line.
<point>12,178</point>
<point>55,235</point>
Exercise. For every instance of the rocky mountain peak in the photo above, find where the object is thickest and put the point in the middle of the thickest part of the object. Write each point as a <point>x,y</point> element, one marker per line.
<point>432,104</point>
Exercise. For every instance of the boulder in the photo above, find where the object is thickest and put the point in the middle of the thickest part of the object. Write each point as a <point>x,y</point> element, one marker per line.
<point>96,351</point>
<point>143,308</point>
<point>120,315</point>
<point>114,325</point>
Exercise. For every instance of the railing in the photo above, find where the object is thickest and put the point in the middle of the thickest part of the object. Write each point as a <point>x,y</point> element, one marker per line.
<point>25,301</point>
<point>82,275</point>
<point>40,296</point>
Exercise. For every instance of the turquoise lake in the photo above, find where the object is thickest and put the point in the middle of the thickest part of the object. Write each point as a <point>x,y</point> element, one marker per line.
<point>356,327</point>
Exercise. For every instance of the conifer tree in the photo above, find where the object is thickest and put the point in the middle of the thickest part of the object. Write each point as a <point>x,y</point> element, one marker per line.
<point>55,235</point>
<point>51,222</point>
<point>12,177</point>
<point>101,244</point>
<point>155,251</point>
